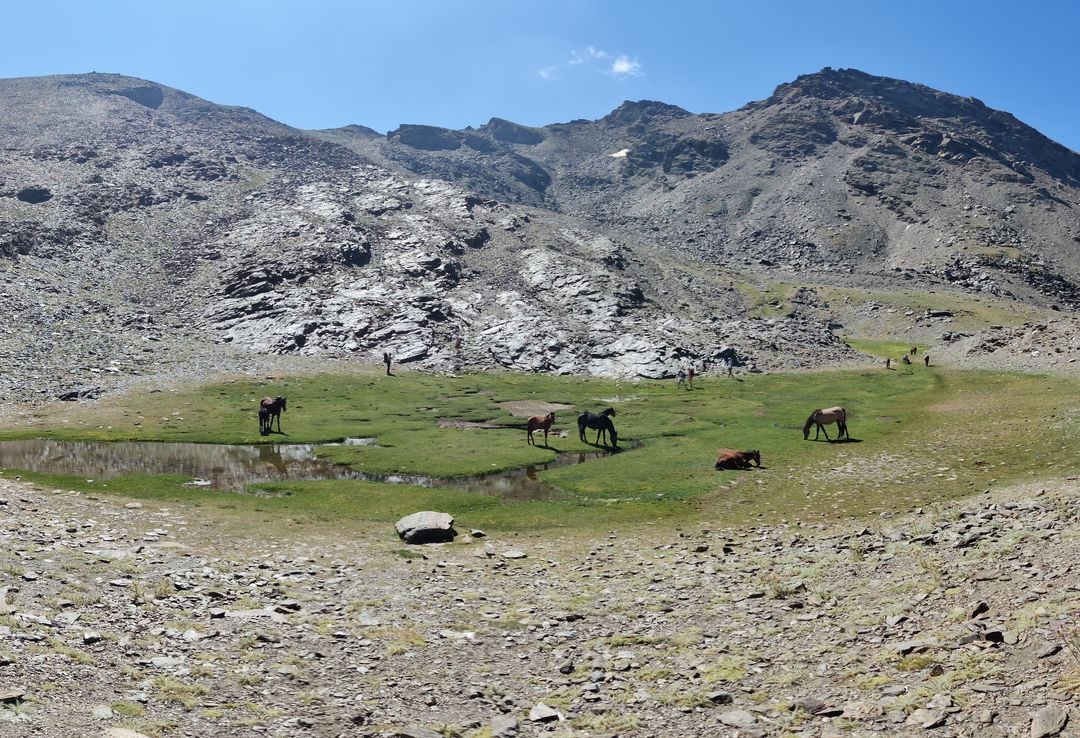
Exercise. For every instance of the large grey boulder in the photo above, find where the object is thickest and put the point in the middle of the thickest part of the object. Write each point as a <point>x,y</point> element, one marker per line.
<point>1048,721</point>
<point>426,527</point>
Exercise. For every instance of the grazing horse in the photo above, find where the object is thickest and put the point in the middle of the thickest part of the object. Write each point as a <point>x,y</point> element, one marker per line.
<point>537,422</point>
<point>822,418</point>
<point>269,409</point>
<point>727,458</point>
<point>601,423</point>
<point>905,359</point>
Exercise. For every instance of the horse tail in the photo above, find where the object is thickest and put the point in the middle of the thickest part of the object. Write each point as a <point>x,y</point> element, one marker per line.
<point>809,422</point>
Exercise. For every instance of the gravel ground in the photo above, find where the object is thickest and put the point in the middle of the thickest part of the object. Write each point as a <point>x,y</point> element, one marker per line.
<point>960,620</point>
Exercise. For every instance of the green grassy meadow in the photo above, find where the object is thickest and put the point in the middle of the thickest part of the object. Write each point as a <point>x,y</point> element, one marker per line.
<point>919,435</point>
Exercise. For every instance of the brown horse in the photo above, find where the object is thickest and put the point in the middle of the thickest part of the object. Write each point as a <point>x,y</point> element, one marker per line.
<point>270,408</point>
<point>822,418</point>
<point>537,422</point>
<point>727,458</point>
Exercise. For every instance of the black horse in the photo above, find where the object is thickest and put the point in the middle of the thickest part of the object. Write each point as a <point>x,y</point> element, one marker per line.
<point>601,423</point>
<point>269,409</point>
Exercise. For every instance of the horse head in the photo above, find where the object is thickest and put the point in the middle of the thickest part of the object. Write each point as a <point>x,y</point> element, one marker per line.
<point>610,412</point>
<point>281,401</point>
<point>756,456</point>
<point>809,422</point>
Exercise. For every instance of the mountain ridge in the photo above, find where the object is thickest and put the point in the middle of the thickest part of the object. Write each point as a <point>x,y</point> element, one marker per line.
<point>140,221</point>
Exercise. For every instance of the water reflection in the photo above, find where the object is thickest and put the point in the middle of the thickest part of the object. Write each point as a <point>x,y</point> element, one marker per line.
<point>233,467</point>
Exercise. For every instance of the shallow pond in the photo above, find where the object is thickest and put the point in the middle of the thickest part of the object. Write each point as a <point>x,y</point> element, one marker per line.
<point>233,467</point>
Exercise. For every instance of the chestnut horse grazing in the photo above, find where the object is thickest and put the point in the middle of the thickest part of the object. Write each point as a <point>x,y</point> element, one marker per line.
<point>269,409</point>
<point>537,422</point>
<point>822,418</point>
<point>727,458</point>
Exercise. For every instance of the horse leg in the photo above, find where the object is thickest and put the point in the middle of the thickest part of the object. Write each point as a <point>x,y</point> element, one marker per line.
<point>545,437</point>
<point>528,436</point>
<point>823,430</point>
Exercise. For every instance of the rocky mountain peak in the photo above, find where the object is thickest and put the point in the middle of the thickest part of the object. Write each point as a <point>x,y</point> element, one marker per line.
<point>512,133</point>
<point>832,99</point>
<point>644,112</point>
<point>357,130</point>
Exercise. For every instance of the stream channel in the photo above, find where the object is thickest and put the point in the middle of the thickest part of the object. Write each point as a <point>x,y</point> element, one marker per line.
<point>233,467</point>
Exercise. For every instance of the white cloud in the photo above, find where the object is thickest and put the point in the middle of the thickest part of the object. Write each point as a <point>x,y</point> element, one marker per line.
<point>616,65</point>
<point>624,66</point>
<point>589,53</point>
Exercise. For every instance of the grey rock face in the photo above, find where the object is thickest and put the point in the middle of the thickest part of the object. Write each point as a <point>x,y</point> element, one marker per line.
<point>738,718</point>
<point>1048,721</point>
<point>504,726</point>
<point>144,225</point>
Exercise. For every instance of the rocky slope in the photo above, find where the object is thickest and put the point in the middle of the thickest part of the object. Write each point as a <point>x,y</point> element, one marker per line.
<point>957,620</point>
<point>838,171</point>
<point>143,228</point>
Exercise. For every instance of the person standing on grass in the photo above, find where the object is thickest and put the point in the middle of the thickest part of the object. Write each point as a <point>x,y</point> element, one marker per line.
<point>690,376</point>
<point>682,377</point>
<point>387,359</point>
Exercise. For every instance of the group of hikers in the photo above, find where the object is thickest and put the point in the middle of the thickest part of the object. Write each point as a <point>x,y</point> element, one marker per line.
<point>686,376</point>
<point>905,360</point>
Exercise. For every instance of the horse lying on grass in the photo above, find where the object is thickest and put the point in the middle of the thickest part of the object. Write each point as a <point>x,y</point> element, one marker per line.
<point>727,458</point>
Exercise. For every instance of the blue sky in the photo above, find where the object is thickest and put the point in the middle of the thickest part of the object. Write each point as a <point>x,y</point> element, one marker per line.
<point>455,63</point>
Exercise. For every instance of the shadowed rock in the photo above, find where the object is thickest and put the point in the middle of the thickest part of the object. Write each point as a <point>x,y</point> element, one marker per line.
<point>426,527</point>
